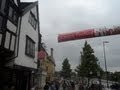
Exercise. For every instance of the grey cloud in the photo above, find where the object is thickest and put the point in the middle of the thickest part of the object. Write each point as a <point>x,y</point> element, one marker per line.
<point>59,16</point>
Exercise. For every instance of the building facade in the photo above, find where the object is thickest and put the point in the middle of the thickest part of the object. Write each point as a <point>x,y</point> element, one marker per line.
<point>19,41</point>
<point>9,37</point>
<point>50,67</point>
<point>47,67</point>
<point>9,30</point>
<point>26,62</point>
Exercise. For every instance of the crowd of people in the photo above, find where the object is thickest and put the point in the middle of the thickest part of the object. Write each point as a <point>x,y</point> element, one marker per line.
<point>55,85</point>
<point>70,85</point>
<point>76,85</point>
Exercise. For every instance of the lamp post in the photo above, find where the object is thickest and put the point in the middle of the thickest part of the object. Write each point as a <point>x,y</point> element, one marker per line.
<point>99,77</point>
<point>104,42</point>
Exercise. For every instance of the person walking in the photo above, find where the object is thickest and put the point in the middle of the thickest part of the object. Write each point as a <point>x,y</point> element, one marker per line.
<point>57,85</point>
<point>73,85</point>
<point>46,87</point>
<point>52,86</point>
<point>81,87</point>
<point>64,85</point>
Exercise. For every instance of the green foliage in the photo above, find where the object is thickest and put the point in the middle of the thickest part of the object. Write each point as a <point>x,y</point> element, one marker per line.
<point>88,67</point>
<point>115,76</point>
<point>66,69</point>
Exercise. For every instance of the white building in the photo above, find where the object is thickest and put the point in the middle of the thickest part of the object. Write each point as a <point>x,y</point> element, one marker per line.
<point>28,42</point>
<point>19,39</point>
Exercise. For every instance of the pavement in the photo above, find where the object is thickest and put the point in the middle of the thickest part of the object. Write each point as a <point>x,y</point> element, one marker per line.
<point>77,88</point>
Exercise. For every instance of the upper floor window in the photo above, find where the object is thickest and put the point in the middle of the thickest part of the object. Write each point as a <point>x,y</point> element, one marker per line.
<point>1,23</point>
<point>30,47</point>
<point>32,20</point>
<point>2,5</point>
<point>13,15</point>
<point>46,68</point>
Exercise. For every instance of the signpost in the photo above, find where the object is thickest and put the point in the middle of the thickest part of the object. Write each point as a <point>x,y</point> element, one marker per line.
<point>41,55</point>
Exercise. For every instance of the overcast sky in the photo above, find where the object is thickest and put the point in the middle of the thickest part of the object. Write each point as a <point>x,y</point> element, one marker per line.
<point>60,16</point>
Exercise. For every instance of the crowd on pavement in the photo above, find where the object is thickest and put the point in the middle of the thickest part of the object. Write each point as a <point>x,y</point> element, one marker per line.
<point>71,85</point>
<point>55,85</point>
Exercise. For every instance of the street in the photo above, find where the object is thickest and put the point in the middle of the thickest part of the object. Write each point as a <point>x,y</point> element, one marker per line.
<point>77,88</point>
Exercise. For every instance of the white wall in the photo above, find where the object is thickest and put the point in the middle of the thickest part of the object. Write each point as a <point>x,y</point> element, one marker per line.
<point>27,29</point>
<point>11,26</point>
<point>7,40</point>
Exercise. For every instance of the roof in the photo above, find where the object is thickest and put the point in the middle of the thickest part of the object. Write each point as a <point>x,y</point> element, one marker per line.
<point>42,47</point>
<point>51,59</point>
<point>26,6</point>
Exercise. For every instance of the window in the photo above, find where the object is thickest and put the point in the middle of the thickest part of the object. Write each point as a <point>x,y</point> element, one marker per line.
<point>13,15</point>
<point>10,12</point>
<point>30,47</point>
<point>1,21</point>
<point>2,5</point>
<point>32,20</point>
<point>46,68</point>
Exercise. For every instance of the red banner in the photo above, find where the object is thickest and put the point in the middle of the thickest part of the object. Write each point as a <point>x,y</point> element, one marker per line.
<point>90,33</point>
<point>76,35</point>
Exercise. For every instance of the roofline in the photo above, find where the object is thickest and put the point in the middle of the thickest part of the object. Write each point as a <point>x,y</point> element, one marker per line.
<point>49,57</point>
<point>25,10</point>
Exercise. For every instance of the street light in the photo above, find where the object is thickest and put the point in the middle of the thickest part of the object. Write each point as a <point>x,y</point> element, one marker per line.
<point>104,42</point>
<point>99,77</point>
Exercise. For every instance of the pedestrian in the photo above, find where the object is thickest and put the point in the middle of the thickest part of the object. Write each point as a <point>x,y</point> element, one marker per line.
<point>57,85</point>
<point>34,86</point>
<point>81,87</point>
<point>52,85</point>
<point>64,85</point>
<point>46,87</point>
<point>69,85</point>
<point>73,85</point>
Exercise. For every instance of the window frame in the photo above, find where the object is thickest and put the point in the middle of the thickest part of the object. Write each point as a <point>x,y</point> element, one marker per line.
<point>32,20</point>
<point>13,16</point>
<point>0,4</point>
<point>1,23</point>
<point>30,47</point>
<point>3,5</point>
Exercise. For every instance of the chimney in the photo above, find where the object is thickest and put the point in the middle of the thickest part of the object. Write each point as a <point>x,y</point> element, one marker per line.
<point>52,52</point>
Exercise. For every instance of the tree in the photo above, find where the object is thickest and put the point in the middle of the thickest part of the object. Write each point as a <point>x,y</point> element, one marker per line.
<point>115,76</point>
<point>66,70</point>
<point>73,75</point>
<point>88,67</point>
